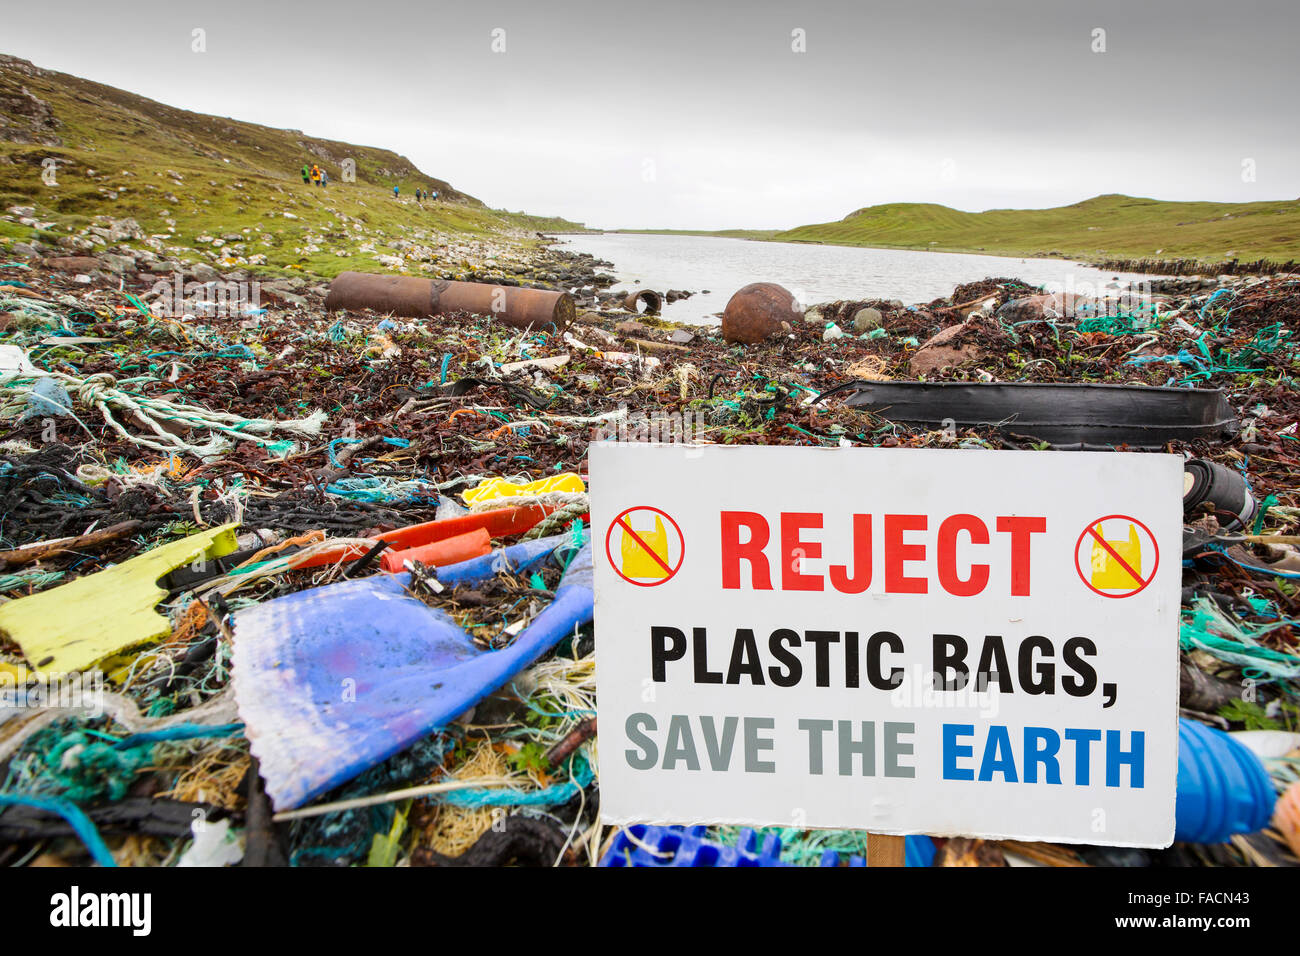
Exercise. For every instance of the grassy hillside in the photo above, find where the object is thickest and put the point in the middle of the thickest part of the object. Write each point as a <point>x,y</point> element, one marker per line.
<point>1102,227</point>
<point>187,177</point>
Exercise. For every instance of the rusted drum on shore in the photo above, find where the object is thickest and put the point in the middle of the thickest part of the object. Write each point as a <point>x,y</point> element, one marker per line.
<point>758,312</point>
<point>653,302</point>
<point>539,309</point>
<point>395,295</point>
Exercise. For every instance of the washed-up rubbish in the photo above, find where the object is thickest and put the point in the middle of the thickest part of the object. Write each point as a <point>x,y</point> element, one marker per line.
<point>646,363</point>
<point>1206,626</point>
<point>147,816</point>
<point>14,360</point>
<point>522,841</point>
<point>499,523</point>
<point>46,550</point>
<point>542,364</point>
<point>1223,489</point>
<point>73,814</point>
<point>333,680</point>
<point>1223,788</point>
<point>460,399</point>
<point>1064,415</point>
<point>495,488</point>
<point>647,845</point>
<point>538,309</point>
<point>215,844</point>
<point>759,311</point>
<point>47,397</point>
<point>99,391</point>
<point>454,550</point>
<point>81,623</point>
<point>644,301</point>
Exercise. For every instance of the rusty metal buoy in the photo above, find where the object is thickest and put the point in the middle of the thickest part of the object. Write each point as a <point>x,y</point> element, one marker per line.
<point>758,312</point>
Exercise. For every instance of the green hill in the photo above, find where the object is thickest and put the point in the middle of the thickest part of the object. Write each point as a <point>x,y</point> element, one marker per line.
<point>186,176</point>
<point>1103,227</point>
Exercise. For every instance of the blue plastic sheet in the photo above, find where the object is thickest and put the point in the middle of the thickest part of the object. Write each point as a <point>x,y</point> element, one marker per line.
<point>333,680</point>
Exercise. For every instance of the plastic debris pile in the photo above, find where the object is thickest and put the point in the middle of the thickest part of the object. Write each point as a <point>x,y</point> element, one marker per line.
<point>190,501</point>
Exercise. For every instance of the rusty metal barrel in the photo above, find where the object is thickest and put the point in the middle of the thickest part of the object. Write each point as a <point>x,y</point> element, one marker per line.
<point>539,309</point>
<point>651,299</point>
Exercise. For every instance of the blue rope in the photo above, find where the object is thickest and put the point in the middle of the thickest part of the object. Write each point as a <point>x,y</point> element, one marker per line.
<point>75,816</point>
<point>548,796</point>
<point>340,441</point>
<point>178,732</point>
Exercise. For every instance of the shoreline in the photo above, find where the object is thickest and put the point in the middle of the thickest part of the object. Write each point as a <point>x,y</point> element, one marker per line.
<point>1180,266</point>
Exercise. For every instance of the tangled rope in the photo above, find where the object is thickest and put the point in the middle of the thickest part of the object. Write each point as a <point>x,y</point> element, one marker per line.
<point>100,391</point>
<point>558,520</point>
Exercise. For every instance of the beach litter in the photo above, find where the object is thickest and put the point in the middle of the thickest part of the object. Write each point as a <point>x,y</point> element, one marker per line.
<point>321,570</point>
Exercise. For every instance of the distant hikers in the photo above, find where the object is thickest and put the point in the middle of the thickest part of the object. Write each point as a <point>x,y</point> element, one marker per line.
<point>434,195</point>
<point>418,195</point>
<point>395,192</point>
<point>306,174</point>
<point>324,179</point>
<point>315,174</point>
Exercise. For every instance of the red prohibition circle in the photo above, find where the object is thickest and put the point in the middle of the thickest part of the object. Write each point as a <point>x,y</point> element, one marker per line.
<point>1088,584</point>
<point>618,523</point>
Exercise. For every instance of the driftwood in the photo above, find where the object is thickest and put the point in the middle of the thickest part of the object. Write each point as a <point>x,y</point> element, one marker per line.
<point>31,553</point>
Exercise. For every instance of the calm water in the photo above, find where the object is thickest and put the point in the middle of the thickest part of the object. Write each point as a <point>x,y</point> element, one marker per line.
<point>813,273</point>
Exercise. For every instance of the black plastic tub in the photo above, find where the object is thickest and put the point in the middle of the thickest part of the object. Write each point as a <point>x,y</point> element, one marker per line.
<point>1065,416</point>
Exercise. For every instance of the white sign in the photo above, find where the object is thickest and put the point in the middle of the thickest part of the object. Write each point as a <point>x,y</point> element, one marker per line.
<point>951,642</point>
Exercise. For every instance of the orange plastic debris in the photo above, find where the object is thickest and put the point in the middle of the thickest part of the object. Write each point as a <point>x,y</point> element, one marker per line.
<point>448,551</point>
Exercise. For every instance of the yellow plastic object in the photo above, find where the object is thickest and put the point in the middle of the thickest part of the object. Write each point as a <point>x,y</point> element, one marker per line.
<point>1109,574</point>
<point>78,624</point>
<point>500,488</point>
<point>637,562</point>
<point>14,674</point>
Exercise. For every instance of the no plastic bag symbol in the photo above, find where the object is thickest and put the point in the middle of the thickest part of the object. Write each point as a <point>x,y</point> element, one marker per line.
<point>1116,556</point>
<point>645,546</point>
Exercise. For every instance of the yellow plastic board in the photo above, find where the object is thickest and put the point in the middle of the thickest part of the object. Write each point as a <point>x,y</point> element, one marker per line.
<point>78,624</point>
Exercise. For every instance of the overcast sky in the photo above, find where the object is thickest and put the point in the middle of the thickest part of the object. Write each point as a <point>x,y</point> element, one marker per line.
<point>681,114</point>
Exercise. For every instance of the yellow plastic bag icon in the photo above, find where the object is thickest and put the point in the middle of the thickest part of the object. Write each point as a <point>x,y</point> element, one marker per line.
<point>640,563</point>
<point>1109,574</point>
<point>500,488</point>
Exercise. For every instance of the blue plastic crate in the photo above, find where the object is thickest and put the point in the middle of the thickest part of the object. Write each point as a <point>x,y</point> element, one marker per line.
<point>646,845</point>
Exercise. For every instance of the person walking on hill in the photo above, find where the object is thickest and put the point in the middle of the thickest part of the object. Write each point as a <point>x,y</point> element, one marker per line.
<point>396,190</point>
<point>306,175</point>
<point>315,175</point>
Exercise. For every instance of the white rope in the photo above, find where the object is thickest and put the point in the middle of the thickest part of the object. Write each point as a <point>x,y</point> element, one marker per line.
<point>99,391</point>
<point>560,498</point>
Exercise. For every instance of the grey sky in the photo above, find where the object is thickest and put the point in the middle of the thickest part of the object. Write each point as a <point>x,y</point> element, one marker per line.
<point>678,114</point>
